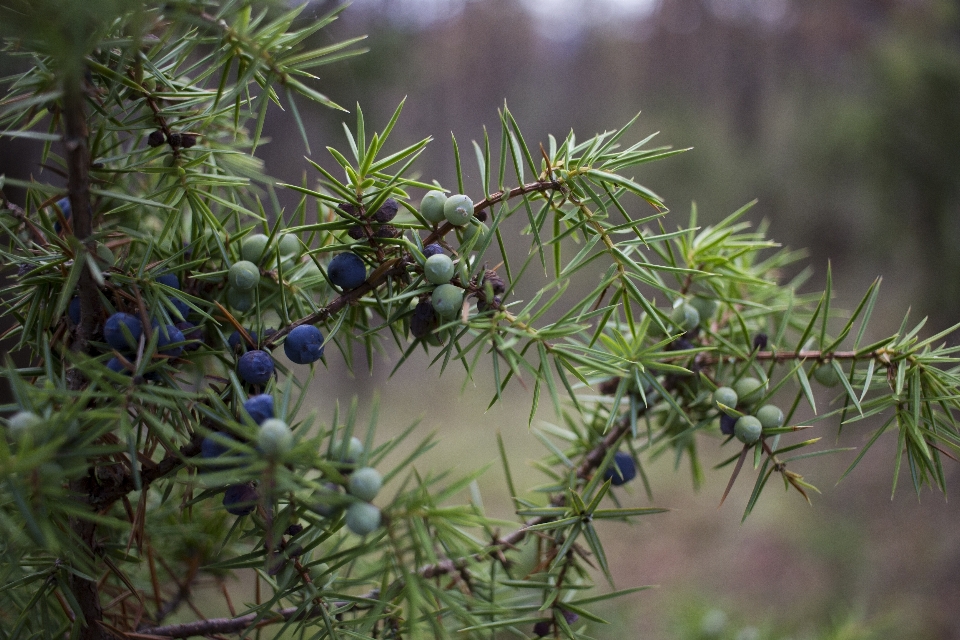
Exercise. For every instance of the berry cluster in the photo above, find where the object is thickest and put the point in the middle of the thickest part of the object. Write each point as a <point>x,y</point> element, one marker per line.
<point>734,403</point>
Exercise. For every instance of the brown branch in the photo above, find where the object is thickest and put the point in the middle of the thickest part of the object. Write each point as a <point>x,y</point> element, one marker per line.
<point>705,359</point>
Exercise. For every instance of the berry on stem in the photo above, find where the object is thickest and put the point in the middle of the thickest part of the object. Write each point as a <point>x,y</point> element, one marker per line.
<point>458,209</point>
<point>365,483</point>
<point>826,375</point>
<point>387,211</point>
<point>255,367</point>
<point>432,249</point>
<point>254,247</point>
<point>725,396</point>
<point>274,438</point>
<point>623,469</point>
<point>362,518</point>
<point>447,299</point>
<point>122,331</point>
<point>347,270</point>
<point>727,423</point>
<point>349,453</point>
<point>244,275</point>
<point>259,407</point>
<point>431,207</point>
<point>748,390</point>
<point>214,445</point>
<point>240,499</point>
<point>304,344</point>
<point>770,416</point>
<point>438,269</point>
<point>169,334</point>
<point>747,429</point>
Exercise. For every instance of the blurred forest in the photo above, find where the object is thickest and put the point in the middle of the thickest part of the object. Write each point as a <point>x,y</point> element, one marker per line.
<point>842,117</point>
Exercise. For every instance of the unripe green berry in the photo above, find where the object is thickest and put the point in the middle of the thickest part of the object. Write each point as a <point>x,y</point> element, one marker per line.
<point>725,396</point>
<point>241,301</point>
<point>244,275</point>
<point>362,518</point>
<point>748,390</point>
<point>349,453</point>
<point>770,416</point>
<point>474,228</point>
<point>289,246</point>
<point>431,207</point>
<point>826,375</point>
<point>438,269</point>
<point>23,421</point>
<point>706,307</point>
<point>747,429</point>
<point>447,299</point>
<point>254,247</point>
<point>274,438</point>
<point>320,574</point>
<point>365,483</point>
<point>458,209</point>
<point>686,317</point>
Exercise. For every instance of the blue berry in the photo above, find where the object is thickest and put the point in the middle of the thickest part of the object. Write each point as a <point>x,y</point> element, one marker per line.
<point>192,334</point>
<point>387,211</point>
<point>66,209</point>
<point>235,340</point>
<point>255,367</point>
<point>240,499</point>
<point>542,628</point>
<point>260,407</point>
<point>169,279</point>
<point>304,344</point>
<point>115,365</point>
<point>347,271</point>
<point>424,319</point>
<point>213,446</point>
<point>169,334</point>
<point>433,249</point>
<point>73,310</point>
<point>623,469</point>
<point>122,331</point>
<point>727,424</point>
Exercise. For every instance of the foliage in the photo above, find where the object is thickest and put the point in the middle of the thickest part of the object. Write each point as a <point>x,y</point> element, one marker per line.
<point>116,461</point>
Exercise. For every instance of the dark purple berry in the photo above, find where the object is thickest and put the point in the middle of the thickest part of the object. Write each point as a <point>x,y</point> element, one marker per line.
<point>494,280</point>
<point>356,232</point>
<point>213,446</point>
<point>260,407</point>
<point>236,340</point>
<point>347,208</point>
<point>115,365</point>
<point>347,270</point>
<point>155,139</point>
<point>727,423</point>
<point>293,530</point>
<point>73,310</point>
<point>169,279</point>
<point>569,616</point>
<point>623,469</point>
<point>387,211</point>
<point>192,334</point>
<point>122,331</point>
<point>481,216</point>
<point>255,367</point>
<point>240,499</point>
<point>760,342</point>
<point>66,209</point>
<point>387,231</point>
<point>304,344</point>
<point>542,628</point>
<point>432,250</point>
<point>175,140</point>
<point>187,140</point>
<point>424,319</point>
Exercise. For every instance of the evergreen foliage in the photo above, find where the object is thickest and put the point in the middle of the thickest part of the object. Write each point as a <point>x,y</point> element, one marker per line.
<point>131,450</point>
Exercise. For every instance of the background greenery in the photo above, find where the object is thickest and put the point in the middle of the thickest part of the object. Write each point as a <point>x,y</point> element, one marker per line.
<point>843,118</point>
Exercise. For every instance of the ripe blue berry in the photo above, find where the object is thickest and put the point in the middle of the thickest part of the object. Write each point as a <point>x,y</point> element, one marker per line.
<point>214,445</point>
<point>542,628</point>
<point>623,469</point>
<point>423,320</point>
<point>362,518</point>
<point>304,344</point>
<point>727,423</point>
<point>387,211</point>
<point>244,275</point>
<point>169,334</point>
<point>66,209</point>
<point>725,396</point>
<point>260,407</point>
<point>447,300</point>
<point>255,367</point>
<point>438,269</point>
<point>347,271</point>
<point>122,331</point>
<point>365,483</point>
<point>115,365</point>
<point>169,279</point>
<point>433,249</point>
<point>747,429</point>
<point>458,209</point>
<point>274,438</point>
<point>240,499</point>
<point>73,310</point>
<point>192,334</point>
<point>431,207</point>
<point>236,340</point>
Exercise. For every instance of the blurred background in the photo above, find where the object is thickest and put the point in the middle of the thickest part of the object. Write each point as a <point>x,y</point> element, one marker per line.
<point>841,117</point>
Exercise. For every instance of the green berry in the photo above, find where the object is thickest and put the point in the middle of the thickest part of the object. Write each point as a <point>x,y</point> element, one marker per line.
<point>475,228</point>
<point>289,246</point>
<point>244,275</point>
<point>241,301</point>
<point>458,209</point>
<point>438,269</point>
<point>274,438</point>
<point>706,307</point>
<point>365,483</point>
<point>725,396</point>
<point>686,317</point>
<point>320,575</point>
<point>770,416</point>
<point>826,375</point>
<point>253,247</point>
<point>350,453</point>
<point>447,300</point>
<point>23,421</point>
<point>362,518</point>
<point>431,207</point>
<point>747,429</point>
<point>749,390</point>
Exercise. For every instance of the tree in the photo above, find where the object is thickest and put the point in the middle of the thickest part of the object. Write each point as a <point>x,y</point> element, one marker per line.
<point>158,427</point>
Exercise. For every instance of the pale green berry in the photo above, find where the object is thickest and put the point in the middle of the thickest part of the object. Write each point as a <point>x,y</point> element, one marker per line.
<point>725,396</point>
<point>362,518</point>
<point>252,249</point>
<point>244,275</point>
<point>23,421</point>
<point>365,483</point>
<point>106,255</point>
<point>438,269</point>
<point>351,453</point>
<point>706,307</point>
<point>431,207</point>
<point>826,375</point>
<point>447,300</point>
<point>475,228</point>
<point>747,429</point>
<point>748,390</point>
<point>770,416</point>
<point>241,301</point>
<point>458,209</point>
<point>686,317</point>
<point>274,438</point>
<point>320,574</point>
<point>289,246</point>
